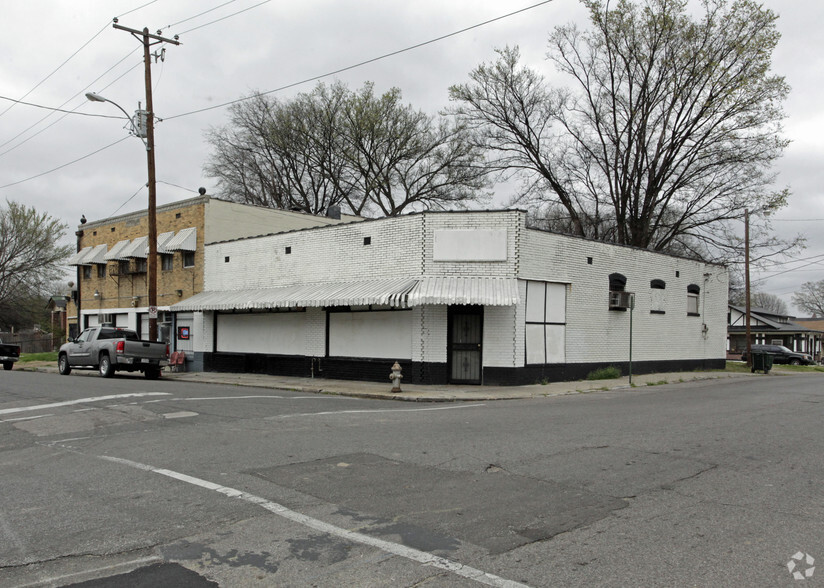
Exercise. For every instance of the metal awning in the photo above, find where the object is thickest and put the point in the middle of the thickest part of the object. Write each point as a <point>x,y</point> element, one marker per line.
<point>77,258</point>
<point>162,241</point>
<point>465,290</point>
<point>397,293</point>
<point>96,255</point>
<point>116,253</point>
<point>185,240</point>
<point>380,292</point>
<point>137,248</point>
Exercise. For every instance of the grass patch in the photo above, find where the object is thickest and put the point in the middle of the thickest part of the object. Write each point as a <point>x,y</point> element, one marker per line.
<point>741,367</point>
<point>607,373</point>
<point>803,369</point>
<point>658,383</point>
<point>47,356</point>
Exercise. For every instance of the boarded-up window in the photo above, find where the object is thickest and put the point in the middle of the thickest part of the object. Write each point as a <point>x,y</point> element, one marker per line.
<point>545,322</point>
<point>281,333</point>
<point>379,335</point>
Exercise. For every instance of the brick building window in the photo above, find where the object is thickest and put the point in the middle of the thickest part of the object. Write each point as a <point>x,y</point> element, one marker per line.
<point>656,296</point>
<point>87,272</point>
<point>692,300</point>
<point>188,259</point>
<point>140,265</point>
<point>167,261</point>
<point>101,270</point>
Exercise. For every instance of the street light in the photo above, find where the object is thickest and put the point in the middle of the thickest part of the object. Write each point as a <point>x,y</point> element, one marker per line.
<point>148,140</point>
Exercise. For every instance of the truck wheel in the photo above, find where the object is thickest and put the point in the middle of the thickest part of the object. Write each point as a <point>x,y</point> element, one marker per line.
<point>795,361</point>
<point>152,373</point>
<point>105,367</point>
<point>7,365</point>
<point>63,365</point>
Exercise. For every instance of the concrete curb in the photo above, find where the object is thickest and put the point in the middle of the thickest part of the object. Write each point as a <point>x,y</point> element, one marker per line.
<point>419,393</point>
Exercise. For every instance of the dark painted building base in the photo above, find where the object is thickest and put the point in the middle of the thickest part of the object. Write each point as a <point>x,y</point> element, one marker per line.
<point>377,370</point>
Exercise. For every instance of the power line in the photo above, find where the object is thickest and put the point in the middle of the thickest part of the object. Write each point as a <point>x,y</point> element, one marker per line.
<point>201,14</point>
<point>129,199</point>
<point>37,85</point>
<point>136,9</point>
<point>66,164</point>
<point>224,17</point>
<point>362,63</point>
<point>57,109</point>
<point>66,102</point>
<point>176,186</point>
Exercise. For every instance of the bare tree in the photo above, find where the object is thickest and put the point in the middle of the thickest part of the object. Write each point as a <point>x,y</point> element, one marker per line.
<point>759,300</point>
<point>667,137</point>
<point>811,298</point>
<point>371,154</point>
<point>30,257</point>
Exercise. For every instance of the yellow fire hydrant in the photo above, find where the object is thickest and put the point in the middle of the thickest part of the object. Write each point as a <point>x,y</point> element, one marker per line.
<point>396,377</point>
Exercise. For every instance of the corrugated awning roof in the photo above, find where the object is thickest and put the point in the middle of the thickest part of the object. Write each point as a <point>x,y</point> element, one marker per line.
<point>77,258</point>
<point>117,251</point>
<point>137,248</point>
<point>185,240</point>
<point>457,290</point>
<point>398,293</point>
<point>96,255</point>
<point>162,240</point>
<point>383,292</point>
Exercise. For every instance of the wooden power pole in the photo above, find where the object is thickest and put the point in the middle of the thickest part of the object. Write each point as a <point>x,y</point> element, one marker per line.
<point>148,40</point>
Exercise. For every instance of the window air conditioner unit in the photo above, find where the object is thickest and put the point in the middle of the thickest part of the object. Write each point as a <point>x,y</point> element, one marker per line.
<point>622,300</point>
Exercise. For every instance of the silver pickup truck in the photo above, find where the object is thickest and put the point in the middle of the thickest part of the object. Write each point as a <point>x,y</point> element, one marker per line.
<point>110,349</point>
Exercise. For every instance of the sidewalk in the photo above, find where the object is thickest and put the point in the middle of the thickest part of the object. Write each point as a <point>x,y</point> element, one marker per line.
<point>413,392</point>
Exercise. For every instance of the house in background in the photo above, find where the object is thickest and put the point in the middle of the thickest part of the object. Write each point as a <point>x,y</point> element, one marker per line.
<point>455,297</point>
<point>770,328</point>
<point>111,259</point>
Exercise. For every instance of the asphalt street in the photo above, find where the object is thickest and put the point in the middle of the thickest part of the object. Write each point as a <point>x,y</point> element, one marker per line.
<point>123,481</point>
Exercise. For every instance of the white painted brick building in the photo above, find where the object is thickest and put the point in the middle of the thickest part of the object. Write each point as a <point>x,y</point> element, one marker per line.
<point>454,297</point>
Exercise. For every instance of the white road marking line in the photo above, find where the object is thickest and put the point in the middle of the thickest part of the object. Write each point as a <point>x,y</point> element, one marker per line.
<point>134,564</point>
<point>67,440</point>
<point>81,401</point>
<point>302,519</point>
<point>26,418</point>
<point>451,407</point>
<point>179,415</point>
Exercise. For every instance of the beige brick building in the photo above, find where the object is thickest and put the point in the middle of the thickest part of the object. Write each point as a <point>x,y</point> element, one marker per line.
<point>111,282</point>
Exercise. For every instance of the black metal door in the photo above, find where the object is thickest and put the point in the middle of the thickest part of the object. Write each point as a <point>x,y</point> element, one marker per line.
<point>464,340</point>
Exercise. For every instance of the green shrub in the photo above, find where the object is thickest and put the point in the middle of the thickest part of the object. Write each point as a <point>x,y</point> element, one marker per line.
<point>607,373</point>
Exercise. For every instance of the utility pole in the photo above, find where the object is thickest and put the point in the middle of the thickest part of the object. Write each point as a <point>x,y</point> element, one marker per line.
<point>747,282</point>
<point>148,40</point>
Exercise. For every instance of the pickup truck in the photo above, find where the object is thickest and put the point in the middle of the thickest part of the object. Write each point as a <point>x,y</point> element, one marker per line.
<point>8,355</point>
<point>111,349</point>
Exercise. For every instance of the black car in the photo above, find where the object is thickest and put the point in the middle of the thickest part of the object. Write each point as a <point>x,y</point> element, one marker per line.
<point>781,354</point>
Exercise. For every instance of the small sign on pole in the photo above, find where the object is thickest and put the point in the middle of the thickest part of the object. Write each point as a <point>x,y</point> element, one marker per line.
<point>152,312</point>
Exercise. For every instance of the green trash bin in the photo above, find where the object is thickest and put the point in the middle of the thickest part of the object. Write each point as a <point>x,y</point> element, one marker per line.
<point>762,361</point>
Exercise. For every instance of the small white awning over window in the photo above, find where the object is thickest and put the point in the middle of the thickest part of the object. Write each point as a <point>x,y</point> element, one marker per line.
<point>97,255</point>
<point>77,258</point>
<point>185,240</point>
<point>137,248</point>
<point>162,242</point>
<point>116,253</point>
<point>396,293</point>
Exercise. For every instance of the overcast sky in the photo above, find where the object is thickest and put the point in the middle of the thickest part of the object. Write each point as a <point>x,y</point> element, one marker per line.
<point>280,43</point>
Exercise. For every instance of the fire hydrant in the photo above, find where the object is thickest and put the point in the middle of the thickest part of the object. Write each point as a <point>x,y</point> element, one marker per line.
<point>396,377</point>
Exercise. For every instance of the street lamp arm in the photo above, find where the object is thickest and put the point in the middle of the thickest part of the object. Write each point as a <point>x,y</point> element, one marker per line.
<point>92,97</point>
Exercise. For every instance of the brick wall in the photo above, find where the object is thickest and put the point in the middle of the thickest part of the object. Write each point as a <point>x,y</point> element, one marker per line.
<point>595,333</point>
